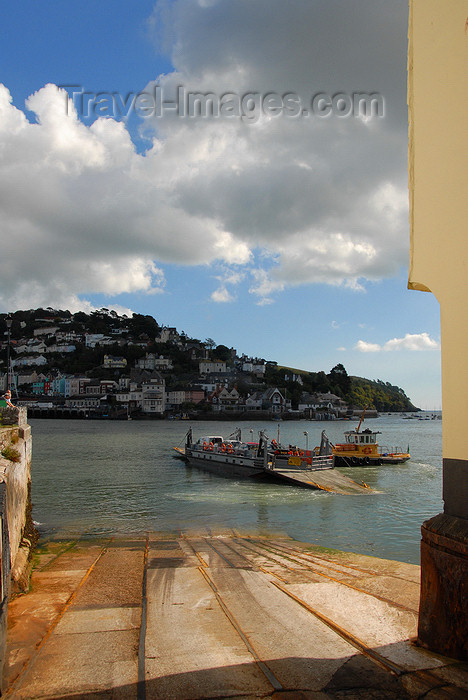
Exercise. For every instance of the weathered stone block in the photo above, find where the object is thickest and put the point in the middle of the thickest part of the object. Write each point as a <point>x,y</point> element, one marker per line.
<point>443,612</point>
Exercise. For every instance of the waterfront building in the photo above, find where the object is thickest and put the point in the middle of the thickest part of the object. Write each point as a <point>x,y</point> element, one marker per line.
<point>209,382</point>
<point>27,377</point>
<point>253,402</point>
<point>42,387</point>
<point>153,397</point>
<point>174,399</point>
<point>194,395</point>
<point>225,399</point>
<point>100,386</point>
<point>274,401</point>
<point>77,385</point>
<point>131,398</point>
<point>85,401</point>
<point>58,386</point>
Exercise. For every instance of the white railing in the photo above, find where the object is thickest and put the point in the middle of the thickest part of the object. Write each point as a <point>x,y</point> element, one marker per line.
<point>384,450</point>
<point>318,463</point>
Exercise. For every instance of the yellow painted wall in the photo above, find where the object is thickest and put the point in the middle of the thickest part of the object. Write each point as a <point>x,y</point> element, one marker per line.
<point>438,184</point>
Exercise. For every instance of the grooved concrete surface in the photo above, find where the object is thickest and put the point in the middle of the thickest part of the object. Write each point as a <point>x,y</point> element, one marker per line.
<point>231,616</point>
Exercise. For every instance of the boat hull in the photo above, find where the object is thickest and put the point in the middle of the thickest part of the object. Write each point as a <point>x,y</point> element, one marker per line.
<point>225,465</point>
<point>353,460</point>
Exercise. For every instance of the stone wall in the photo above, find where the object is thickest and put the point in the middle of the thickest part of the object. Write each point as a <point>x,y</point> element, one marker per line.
<point>16,528</point>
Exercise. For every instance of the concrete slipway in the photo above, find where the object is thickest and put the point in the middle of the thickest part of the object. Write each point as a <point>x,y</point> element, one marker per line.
<point>229,616</point>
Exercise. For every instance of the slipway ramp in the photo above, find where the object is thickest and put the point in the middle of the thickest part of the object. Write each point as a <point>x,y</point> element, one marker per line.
<point>323,479</point>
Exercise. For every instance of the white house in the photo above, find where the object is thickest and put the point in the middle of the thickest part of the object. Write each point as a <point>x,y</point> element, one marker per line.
<point>224,399</point>
<point>27,377</point>
<point>93,339</point>
<point>174,398</point>
<point>254,401</point>
<point>29,361</point>
<point>153,398</point>
<point>294,377</point>
<point>130,398</point>
<point>209,386</point>
<point>31,346</point>
<point>153,394</point>
<point>66,337</point>
<point>84,401</point>
<point>253,368</point>
<point>274,401</point>
<point>60,348</point>
<point>210,367</point>
<point>45,331</point>
<point>168,335</point>
<point>150,361</point>
<point>76,385</point>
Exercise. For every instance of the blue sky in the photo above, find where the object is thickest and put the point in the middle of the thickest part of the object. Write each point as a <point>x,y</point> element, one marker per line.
<point>282,234</point>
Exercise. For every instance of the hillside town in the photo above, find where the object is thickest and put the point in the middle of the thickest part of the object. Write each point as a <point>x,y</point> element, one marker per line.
<point>105,365</point>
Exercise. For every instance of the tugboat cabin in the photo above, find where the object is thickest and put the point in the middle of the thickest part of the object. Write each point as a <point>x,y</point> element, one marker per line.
<point>366,437</point>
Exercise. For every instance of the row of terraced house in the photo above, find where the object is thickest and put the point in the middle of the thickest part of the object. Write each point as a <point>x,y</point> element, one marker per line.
<point>143,388</point>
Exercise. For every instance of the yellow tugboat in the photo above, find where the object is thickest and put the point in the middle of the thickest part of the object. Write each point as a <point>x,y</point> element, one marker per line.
<point>362,449</point>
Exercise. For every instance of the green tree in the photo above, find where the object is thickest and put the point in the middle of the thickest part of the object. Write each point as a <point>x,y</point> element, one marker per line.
<point>222,353</point>
<point>339,380</point>
<point>140,323</point>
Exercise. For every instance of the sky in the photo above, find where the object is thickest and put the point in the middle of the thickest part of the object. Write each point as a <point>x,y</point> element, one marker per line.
<point>235,168</point>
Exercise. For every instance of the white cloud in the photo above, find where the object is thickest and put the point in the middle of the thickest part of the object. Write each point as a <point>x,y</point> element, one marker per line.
<point>362,346</point>
<point>325,199</point>
<point>221,295</point>
<point>228,276</point>
<point>411,342</point>
<point>263,286</point>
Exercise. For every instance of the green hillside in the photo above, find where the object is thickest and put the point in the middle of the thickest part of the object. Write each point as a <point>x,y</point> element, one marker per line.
<point>380,395</point>
<point>356,391</point>
<point>136,335</point>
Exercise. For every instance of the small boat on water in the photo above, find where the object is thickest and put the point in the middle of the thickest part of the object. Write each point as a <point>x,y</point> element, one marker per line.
<point>362,449</point>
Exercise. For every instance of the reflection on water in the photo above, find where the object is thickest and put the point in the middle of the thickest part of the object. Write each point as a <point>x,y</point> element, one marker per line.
<point>101,477</point>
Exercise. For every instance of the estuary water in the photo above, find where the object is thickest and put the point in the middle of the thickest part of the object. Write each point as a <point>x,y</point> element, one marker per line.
<point>120,477</point>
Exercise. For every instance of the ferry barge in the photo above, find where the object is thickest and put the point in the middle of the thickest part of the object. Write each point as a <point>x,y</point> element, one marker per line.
<point>232,456</point>
<point>229,457</point>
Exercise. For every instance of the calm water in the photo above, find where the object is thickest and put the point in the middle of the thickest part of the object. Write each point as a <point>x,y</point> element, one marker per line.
<point>100,477</point>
